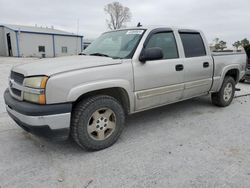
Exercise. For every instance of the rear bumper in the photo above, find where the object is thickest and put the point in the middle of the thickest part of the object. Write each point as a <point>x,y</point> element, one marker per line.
<point>50,121</point>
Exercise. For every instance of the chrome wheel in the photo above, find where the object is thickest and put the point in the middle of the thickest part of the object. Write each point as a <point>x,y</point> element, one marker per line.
<point>228,92</point>
<point>101,124</point>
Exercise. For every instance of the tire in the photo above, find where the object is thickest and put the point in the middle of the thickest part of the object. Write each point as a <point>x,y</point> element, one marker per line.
<point>242,80</point>
<point>97,122</point>
<point>224,98</point>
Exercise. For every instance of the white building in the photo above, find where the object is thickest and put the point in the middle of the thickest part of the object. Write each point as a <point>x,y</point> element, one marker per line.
<point>26,41</point>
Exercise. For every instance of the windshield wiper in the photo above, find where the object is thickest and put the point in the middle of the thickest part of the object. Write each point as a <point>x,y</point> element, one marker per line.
<point>100,54</point>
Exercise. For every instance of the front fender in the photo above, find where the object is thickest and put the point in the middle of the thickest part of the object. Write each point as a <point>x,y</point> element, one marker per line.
<point>79,90</point>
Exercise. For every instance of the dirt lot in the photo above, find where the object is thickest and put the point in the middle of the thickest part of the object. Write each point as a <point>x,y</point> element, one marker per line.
<point>188,144</point>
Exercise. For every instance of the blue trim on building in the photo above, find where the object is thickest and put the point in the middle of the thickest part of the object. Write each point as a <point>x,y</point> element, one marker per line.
<point>54,47</point>
<point>17,44</point>
<point>81,43</point>
<point>42,33</point>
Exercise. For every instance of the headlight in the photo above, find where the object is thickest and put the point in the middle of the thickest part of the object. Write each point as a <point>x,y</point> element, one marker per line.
<point>36,82</point>
<point>35,89</point>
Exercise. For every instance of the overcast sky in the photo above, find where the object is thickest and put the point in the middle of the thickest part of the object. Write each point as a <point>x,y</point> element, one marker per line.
<point>226,19</point>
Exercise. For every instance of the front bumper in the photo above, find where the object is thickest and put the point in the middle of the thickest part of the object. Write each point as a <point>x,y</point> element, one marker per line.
<point>50,121</point>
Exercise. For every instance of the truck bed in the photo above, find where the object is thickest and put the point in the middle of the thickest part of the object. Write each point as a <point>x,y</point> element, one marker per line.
<point>225,60</point>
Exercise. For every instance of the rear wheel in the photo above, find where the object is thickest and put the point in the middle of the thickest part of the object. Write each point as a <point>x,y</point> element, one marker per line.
<point>226,94</point>
<point>97,122</point>
<point>242,80</point>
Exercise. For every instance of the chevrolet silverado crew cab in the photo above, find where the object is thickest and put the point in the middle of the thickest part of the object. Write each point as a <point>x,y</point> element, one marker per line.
<point>122,72</point>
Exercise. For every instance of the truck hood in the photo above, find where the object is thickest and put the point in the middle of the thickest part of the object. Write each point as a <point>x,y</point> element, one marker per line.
<point>57,65</point>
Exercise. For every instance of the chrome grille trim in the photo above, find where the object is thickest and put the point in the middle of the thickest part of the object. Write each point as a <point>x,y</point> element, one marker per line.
<point>16,92</point>
<point>17,77</point>
<point>16,87</point>
<point>25,89</point>
<point>13,88</point>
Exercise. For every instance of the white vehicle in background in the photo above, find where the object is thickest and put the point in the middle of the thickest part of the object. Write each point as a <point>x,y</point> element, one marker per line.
<point>122,72</point>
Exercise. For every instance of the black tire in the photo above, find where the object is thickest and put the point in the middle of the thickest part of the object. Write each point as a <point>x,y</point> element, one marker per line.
<point>81,116</point>
<point>242,80</point>
<point>218,98</point>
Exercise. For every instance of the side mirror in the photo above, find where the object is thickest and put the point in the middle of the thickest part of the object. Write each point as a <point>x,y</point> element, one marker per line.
<point>154,53</point>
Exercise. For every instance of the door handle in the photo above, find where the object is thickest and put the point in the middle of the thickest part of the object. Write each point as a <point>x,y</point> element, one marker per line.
<point>179,67</point>
<point>205,64</point>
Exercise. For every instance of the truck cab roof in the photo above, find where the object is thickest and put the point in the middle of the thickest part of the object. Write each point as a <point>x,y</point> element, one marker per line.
<point>153,27</point>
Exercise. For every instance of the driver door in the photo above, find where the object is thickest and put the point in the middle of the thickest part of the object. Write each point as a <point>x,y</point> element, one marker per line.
<point>159,82</point>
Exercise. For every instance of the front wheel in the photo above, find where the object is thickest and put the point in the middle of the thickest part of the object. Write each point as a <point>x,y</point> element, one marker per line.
<point>97,122</point>
<point>226,94</point>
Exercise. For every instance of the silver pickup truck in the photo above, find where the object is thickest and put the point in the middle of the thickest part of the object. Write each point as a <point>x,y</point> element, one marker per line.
<point>122,72</point>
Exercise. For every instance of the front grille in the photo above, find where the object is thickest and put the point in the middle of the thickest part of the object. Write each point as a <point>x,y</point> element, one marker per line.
<point>17,77</point>
<point>16,92</point>
<point>16,80</point>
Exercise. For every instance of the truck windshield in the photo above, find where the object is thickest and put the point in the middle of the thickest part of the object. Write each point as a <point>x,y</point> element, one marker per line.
<point>116,44</point>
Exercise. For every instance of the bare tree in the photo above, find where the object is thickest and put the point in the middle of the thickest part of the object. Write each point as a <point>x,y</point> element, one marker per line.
<point>119,15</point>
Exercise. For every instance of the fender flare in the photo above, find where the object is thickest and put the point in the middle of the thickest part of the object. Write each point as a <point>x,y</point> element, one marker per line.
<point>84,88</point>
<point>225,70</point>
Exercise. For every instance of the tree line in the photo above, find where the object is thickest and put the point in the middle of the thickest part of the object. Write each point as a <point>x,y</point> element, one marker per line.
<point>220,45</point>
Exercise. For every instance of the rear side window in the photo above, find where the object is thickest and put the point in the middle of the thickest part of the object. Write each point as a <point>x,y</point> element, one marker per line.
<point>165,41</point>
<point>193,44</point>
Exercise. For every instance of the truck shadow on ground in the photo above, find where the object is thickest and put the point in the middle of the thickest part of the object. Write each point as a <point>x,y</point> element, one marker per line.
<point>176,110</point>
<point>137,124</point>
<point>246,82</point>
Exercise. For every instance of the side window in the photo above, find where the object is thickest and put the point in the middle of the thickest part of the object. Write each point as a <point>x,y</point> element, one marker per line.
<point>41,48</point>
<point>193,44</point>
<point>165,41</point>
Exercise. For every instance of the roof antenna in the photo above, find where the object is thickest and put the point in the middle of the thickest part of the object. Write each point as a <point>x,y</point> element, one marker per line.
<point>139,24</point>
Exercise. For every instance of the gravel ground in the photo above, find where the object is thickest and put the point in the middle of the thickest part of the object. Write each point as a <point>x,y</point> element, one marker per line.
<point>187,144</point>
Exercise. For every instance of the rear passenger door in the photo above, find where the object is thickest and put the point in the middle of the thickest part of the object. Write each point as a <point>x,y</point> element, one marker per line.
<point>198,64</point>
